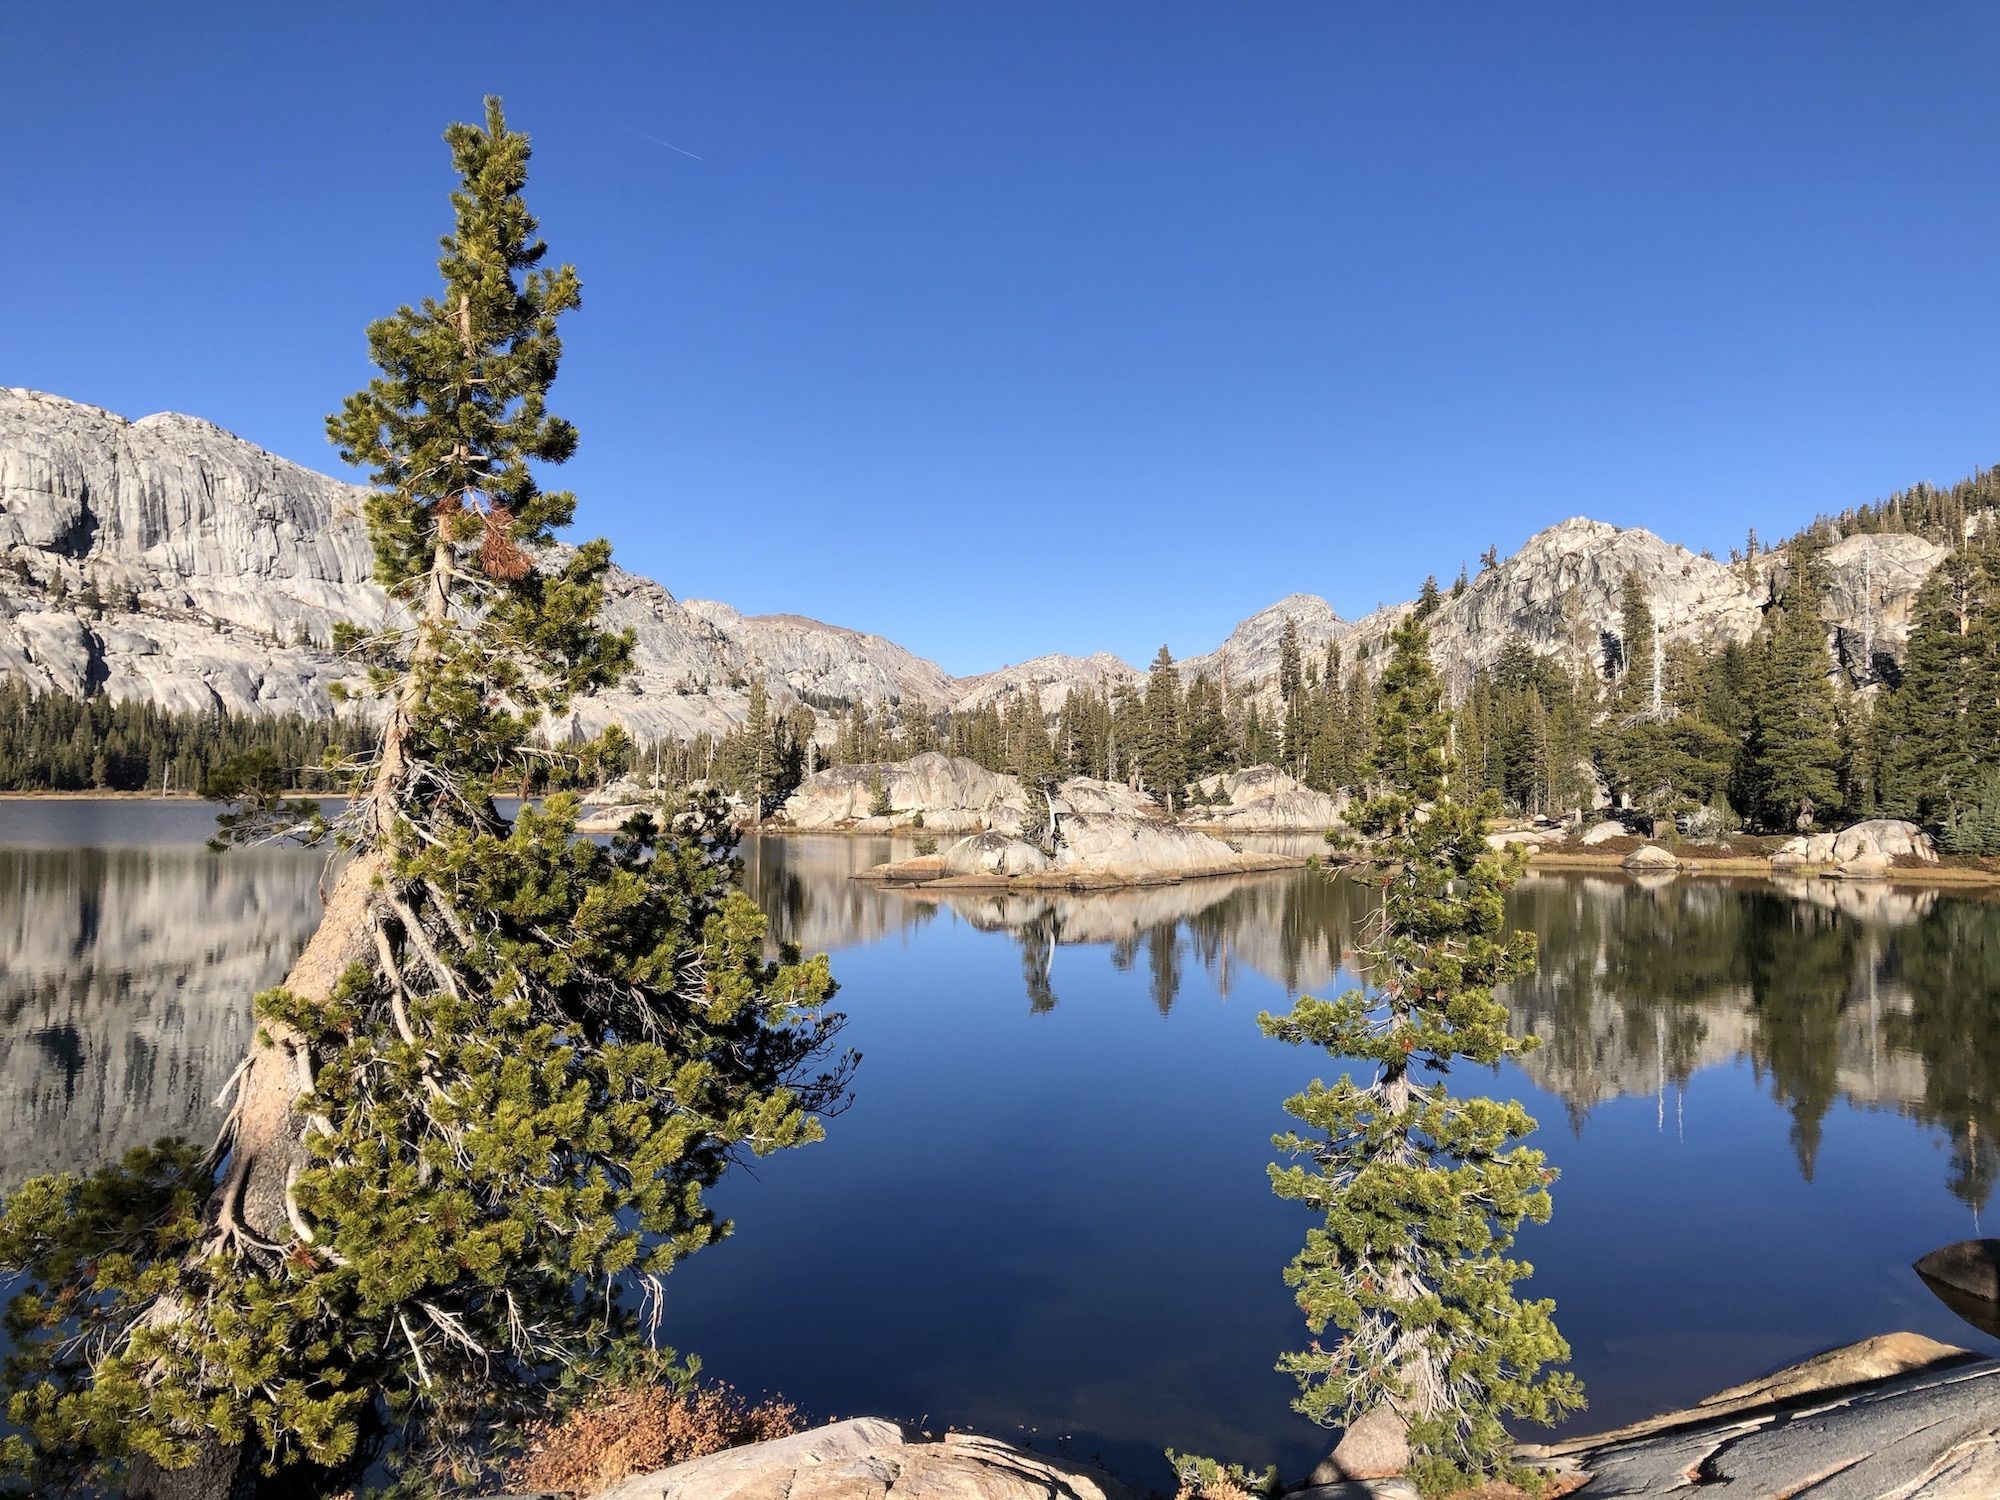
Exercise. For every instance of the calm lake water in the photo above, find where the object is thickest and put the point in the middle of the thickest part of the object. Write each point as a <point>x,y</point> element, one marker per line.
<point>1045,1214</point>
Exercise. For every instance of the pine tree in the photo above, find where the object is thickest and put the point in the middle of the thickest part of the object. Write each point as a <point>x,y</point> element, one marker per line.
<point>1291,664</point>
<point>1791,750</point>
<point>1421,1191</point>
<point>758,759</point>
<point>1635,641</point>
<point>1941,722</point>
<point>495,1087</point>
<point>1165,753</point>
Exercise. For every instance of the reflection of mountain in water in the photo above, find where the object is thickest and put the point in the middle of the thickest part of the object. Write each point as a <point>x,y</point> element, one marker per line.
<point>125,985</point>
<point>126,975</point>
<point>806,887</point>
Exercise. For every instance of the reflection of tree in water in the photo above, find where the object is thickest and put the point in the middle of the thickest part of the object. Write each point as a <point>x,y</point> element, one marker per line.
<point>1163,960</point>
<point>1615,994</point>
<point>1830,990</point>
<point>1039,936</point>
<point>1799,960</point>
<point>1952,963</point>
<point>1871,994</point>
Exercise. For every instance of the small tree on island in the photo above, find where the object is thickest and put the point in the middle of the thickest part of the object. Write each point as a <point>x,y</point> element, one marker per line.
<point>489,1097</point>
<point>1421,1191</point>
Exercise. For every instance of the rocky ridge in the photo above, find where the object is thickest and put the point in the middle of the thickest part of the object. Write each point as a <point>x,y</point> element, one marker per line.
<point>220,570</point>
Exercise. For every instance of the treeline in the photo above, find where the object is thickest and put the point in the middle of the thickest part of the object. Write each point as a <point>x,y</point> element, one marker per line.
<point>1938,515</point>
<point>53,742</point>
<point>1764,733</point>
<point>1758,734</point>
<point>1161,737</point>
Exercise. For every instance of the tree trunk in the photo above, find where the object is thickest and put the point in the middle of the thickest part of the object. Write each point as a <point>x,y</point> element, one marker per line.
<point>263,1138</point>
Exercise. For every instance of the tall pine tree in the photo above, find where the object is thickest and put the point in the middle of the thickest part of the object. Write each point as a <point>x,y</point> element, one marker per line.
<point>1787,768</point>
<point>1420,1191</point>
<point>481,1113</point>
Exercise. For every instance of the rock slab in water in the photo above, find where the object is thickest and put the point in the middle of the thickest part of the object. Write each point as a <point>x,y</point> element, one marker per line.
<point>869,1459</point>
<point>1650,857</point>
<point>1971,1267</point>
<point>994,854</point>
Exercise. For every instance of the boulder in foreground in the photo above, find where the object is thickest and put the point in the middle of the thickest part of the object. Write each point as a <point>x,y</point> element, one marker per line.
<point>1898,1414</point>
<point>869,1459</point>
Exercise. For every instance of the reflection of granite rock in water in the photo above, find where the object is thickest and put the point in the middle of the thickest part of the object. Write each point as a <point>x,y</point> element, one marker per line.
<point>1866,901</point>
<point>1286,925</point>
<point>125,986</point>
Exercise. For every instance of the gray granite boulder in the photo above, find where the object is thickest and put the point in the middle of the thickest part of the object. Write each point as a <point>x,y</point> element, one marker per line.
<point>1886,838</point>
<point>994,854</point>
<point>869,1459</point>
<point>1262,799</point>
<point>1896,1415</point>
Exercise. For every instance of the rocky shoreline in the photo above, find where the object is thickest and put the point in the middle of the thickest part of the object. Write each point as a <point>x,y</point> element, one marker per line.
<point>1897,1415</point>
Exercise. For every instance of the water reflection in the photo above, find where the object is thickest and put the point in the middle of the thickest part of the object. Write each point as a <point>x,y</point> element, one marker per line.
<point>125,976</point>
<point>1065,1112</point>
<point>1869,994</point>
<point>125,985</point>
<point>1831,990</point>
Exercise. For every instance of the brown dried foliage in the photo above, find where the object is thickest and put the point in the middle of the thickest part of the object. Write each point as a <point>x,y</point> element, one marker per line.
<point>630,1431</point>
<point>499,557</point>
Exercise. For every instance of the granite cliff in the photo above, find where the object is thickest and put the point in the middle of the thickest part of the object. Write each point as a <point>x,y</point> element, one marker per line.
<point>166,560</point>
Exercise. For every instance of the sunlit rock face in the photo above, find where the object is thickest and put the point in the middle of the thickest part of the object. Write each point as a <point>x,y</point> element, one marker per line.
<point>222,569</point>
<point>125,985</point>
<point>952,795</point>
<point>1263,799</point>
<point>1253,650</point>
<point>1050,678</point>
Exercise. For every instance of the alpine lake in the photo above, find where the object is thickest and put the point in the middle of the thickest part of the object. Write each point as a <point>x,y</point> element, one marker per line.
<point>1045,1214</point>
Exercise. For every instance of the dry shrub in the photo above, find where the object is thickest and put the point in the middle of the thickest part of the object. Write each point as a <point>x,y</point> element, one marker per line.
<point>636,1429</point>
<point>1214,1489</point>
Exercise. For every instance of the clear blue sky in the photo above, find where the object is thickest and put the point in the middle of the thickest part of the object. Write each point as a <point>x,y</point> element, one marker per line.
<point>1019,327</point>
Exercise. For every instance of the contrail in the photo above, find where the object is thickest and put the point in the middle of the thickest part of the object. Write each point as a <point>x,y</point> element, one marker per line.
<point>658,142</point>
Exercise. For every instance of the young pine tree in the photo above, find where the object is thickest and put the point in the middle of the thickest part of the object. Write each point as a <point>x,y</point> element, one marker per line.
<point>1420,1191</point>
<point>492,1092</point>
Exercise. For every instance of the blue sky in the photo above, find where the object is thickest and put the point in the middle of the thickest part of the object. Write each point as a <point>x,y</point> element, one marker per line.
<point>1002,329</point>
